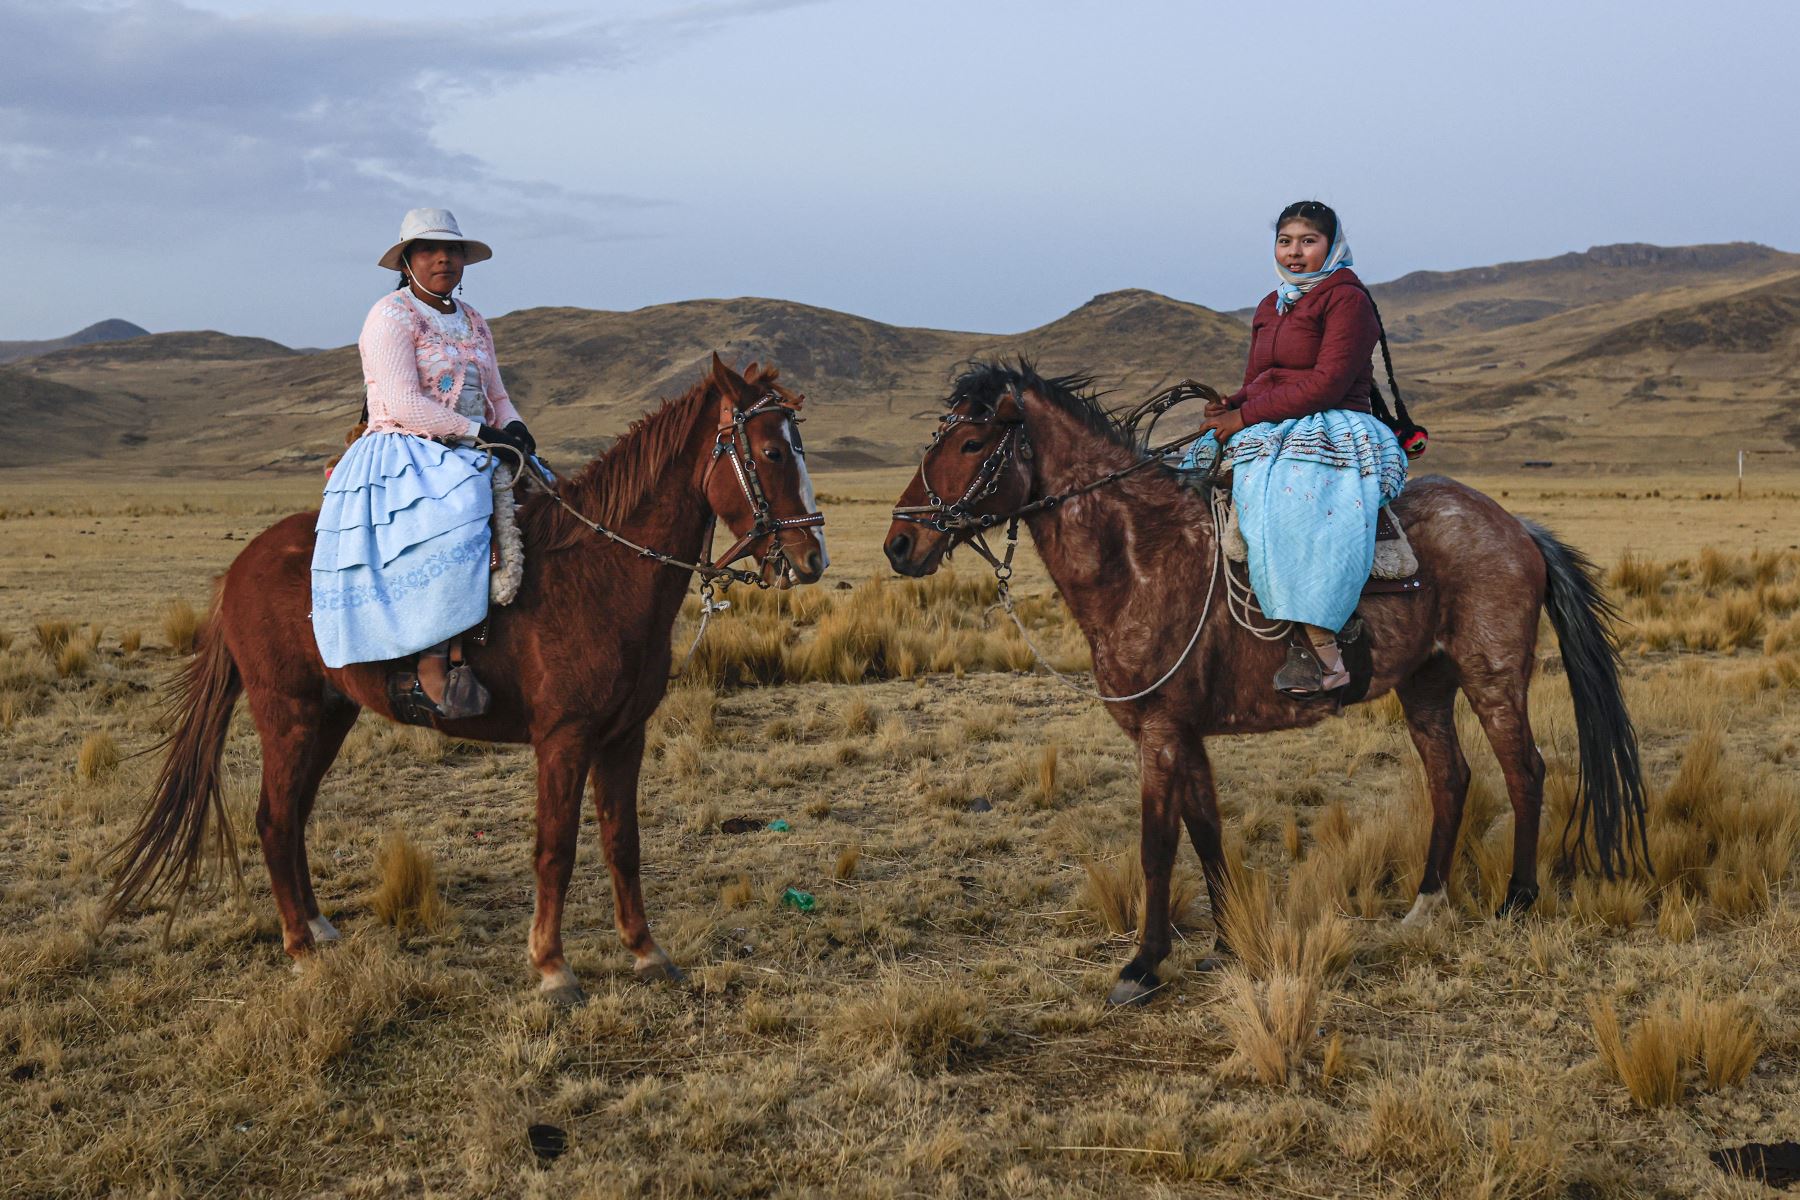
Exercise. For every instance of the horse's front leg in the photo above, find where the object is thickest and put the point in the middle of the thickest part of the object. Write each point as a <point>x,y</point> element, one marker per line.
<point>1160,766</point>
<point>1200,812</point>
<point>615,801</point>
<point>562,761</point>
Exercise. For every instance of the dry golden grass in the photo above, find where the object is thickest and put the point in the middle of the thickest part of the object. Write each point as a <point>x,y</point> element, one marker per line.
<point>73,658</point>
<point>1113,891</point>
<point>98,757</point>
<point>933,1026</point>
<point>1671,1047</point>
<point>180,625</point>
<point>406,894</point>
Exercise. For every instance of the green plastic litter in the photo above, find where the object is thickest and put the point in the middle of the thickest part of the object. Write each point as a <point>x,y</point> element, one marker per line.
<point>779,826</point>
<point>795,898</point>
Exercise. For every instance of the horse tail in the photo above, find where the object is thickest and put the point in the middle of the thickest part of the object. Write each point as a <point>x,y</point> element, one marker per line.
<point>185,824</point>
<point>1609,794</point>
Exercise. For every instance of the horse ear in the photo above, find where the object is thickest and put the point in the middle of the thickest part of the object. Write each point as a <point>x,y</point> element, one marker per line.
<point>1008,408</point>
<point>728,381</point>
<point>753,374</point>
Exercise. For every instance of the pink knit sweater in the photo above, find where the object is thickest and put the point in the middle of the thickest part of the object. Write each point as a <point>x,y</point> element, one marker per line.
<point>414,373</point>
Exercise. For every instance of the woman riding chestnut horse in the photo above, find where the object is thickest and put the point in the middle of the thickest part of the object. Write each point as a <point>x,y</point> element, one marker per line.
<point>575,666</point>
<point>1138,560</point>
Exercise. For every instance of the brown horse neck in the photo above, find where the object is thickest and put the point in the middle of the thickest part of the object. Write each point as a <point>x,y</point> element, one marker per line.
<point>647,485</point>
<point>1090,540</point>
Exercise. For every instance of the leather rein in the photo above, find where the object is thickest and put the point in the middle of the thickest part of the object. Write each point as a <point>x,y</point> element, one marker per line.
<point>959,516</point>
<point>730,441</point>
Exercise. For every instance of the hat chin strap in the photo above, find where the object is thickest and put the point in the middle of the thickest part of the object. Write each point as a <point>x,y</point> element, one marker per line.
<point>412,281</point>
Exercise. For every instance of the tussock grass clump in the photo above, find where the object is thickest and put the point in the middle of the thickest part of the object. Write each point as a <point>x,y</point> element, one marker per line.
<point>844,869</point>
<point>931,1027</point>
<point>12,707</point>
<point>1722,832</point>
<point>98,757</point>
<point>6,639</point>
<point>74,658</point>
<point>1114,892</point>
<point>180,625</point>
<point>1616,903</point>
<point>1275,994</point>
<point>1648,1062</point>
<point>690,709</point>
<point>342,999</point>
<point>131,640</point>
<point>53,635</point>
<point>1638,576</point>
<point>880,629</point>
<point>406,893</point>
<point>1713,1043</point>
<point>734,896</point>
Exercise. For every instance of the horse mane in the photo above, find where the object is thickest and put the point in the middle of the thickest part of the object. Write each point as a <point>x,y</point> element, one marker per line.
<point>982,384</point>
<point>611,487</point>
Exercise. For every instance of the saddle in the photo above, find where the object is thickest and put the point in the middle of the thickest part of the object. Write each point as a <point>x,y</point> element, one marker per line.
<point>1396,567</point>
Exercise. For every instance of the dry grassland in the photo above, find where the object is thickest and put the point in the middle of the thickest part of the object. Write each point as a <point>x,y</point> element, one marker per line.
<point>933,1025</point>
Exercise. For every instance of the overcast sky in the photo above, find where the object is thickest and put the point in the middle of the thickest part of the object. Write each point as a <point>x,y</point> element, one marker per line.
<point>240,164</point>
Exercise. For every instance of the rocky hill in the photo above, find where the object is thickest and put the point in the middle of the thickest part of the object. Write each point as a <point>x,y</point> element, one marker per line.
<point>1600,358</point>
<point>113,330</point>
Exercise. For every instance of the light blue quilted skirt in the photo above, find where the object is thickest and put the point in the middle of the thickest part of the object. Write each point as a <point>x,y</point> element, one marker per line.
<point>401,557</point>
<point>1307,492</point>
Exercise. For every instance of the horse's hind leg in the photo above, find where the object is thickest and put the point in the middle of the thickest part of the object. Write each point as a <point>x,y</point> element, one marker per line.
<point>1429,700</point>
<point>335,724</point>
<point>615,775</point>
<point>562,761</point>
<point>1499,700</point>
<point>299,741</point>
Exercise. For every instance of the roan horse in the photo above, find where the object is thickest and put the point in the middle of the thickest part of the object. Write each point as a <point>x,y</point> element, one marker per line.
<point>576,665</point>
<point>1133,560</point>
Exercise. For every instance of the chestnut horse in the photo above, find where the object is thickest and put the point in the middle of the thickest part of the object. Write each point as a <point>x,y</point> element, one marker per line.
<point>1133,560</point>
<point>576,664</point>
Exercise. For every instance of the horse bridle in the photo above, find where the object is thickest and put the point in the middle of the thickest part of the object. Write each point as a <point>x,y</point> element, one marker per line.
<point>959,516</point>
<point>732,441</point>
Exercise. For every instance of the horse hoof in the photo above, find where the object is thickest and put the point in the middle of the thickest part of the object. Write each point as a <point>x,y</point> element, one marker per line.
<point>1516,904</point>
<point>1212,962</point>
<point>1424,908</point>
<point>323,931</point>
<point>1133,991</point>
<point>564,995</point>
<point>659,969</point>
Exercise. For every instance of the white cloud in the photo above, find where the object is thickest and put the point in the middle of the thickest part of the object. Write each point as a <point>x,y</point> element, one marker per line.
<point>159,113</point>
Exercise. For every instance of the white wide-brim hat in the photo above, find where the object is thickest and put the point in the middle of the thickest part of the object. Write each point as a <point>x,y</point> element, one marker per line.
<point>432,225</point>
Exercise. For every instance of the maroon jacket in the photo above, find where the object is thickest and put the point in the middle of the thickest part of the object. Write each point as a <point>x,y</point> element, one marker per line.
<point>1313,357</point>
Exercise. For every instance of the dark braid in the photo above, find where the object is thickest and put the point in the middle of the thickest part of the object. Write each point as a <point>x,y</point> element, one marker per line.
<point>1412,436</point>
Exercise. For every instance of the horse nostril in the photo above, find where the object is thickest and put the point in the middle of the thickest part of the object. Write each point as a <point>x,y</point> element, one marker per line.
<point>814,568</point>
<point>898,547</point>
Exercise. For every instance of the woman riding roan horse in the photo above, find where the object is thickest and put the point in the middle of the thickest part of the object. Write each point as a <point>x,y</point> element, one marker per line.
<point>1137,562</point>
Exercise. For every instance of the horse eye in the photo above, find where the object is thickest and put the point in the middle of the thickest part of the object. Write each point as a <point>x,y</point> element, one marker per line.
<point>972,445</point>
<point>772,453</point>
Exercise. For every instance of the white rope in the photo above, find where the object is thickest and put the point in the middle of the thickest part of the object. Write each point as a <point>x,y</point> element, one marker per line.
<point>1240,602</point>
<point>1240,598</point>
<point>1095,693</point>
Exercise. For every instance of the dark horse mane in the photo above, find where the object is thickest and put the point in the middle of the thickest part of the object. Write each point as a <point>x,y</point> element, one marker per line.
<point>982,384</point>
<point>611,487</point>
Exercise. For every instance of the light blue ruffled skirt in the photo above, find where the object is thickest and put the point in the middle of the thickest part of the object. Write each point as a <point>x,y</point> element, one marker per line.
<point>401,557</point>
<point>1307,492</point>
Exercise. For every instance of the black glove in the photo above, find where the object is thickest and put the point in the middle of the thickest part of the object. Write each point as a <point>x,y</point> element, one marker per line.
<point>518,430</point>
<point>508,437</point>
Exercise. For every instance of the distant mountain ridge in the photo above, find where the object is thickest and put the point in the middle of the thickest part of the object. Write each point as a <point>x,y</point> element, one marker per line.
<point>110,330</point>
<point>1584,354</point>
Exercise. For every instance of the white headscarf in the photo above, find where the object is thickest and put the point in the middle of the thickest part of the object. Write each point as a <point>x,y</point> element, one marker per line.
<point>1294,285</point>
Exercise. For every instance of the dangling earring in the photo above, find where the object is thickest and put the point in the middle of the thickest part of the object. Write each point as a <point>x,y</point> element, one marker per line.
<point>459,289</point>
